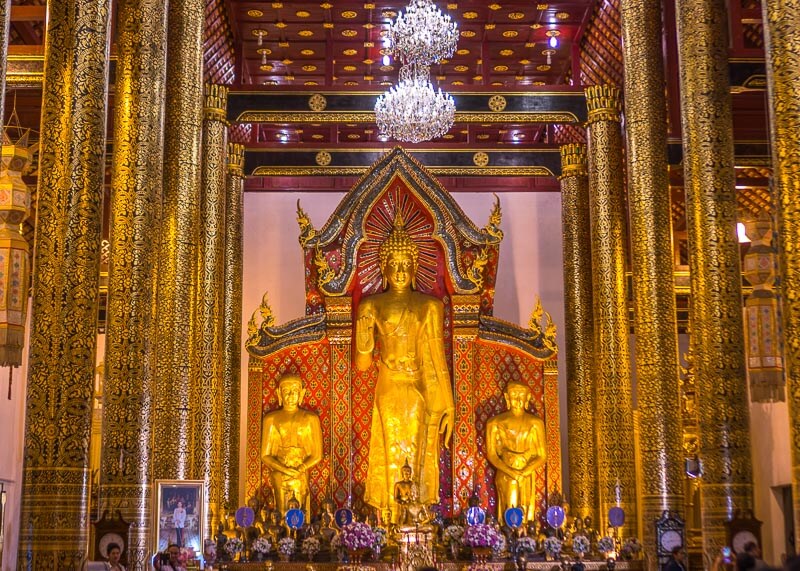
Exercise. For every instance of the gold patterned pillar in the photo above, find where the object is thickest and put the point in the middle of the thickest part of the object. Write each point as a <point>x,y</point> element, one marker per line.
<point>716,309</point>
<point>579,333</point>
<point>54,519</point>
<point>5,23</point>
<point>232,329</point>
<point>782,17</point>
<point>655,321</point>
<point>177,278</point>
<point>208,394</point>
<point>126,474</point>
<point>616,465</point>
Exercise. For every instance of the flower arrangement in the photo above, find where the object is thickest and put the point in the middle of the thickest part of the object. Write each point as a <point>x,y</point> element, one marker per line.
<point>481,535</point>
<point>380,536</point>
<point>186,554</point>
<point>581,545</point>
<point>261,545</point>
<point>552,546</point>
<point>606,545</point>
<point>358,535</point>
<point>286,546</point>
<point>630,549</point>
<point>526,545</point>
<point>234,546</point>
<point>500,546</point>
<point>310,547</point>
<point>453,534</point>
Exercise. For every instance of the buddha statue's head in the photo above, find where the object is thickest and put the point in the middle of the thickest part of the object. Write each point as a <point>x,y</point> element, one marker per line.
<point>293,503</point>
<point>398,256</point>
<point>406,471</point>
<point>290,391</point>
<point>517,396</point>
<point>275,517</point>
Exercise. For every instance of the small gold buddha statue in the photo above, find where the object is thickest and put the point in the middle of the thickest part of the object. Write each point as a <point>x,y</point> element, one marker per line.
<point>276,530</point>
<point>291,443</point>
<point>515,446</point>
<point>411,514</point>
<point>413,395</point>
<point>231,530</point>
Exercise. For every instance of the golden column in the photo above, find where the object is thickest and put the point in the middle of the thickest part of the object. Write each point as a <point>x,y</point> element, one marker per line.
<point>5,22</point>
<point>616,465</point>
<point>578,330</point>
<point>54,519</point>
<point>716,279</point>
<point>126,473</point>
<point>208,389</point>
<point>782,17</point>
<point>232,329</point>
<point>177,276</point>
<point>655,323</point>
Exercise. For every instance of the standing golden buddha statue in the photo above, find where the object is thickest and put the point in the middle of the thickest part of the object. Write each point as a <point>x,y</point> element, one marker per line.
<point>413,395</point>
<point>515,445</point>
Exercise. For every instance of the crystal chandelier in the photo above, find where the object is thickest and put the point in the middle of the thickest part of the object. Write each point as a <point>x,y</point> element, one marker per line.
<point>423,35</point>
<point>412,111</point>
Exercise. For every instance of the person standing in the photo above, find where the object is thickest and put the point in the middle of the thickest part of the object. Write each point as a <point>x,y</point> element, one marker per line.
<point>676,562</point>
<point>179,521</point>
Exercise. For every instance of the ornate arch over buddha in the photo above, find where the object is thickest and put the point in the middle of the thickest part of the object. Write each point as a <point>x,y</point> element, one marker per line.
<point>454,269</point>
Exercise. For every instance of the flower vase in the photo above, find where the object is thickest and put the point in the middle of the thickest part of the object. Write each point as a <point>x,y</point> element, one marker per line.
<point>481,554</point>
<point>357,555</point>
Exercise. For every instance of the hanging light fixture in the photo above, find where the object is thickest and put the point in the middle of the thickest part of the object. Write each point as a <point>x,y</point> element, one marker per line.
<point>413,111</point>
<point>422,34</point>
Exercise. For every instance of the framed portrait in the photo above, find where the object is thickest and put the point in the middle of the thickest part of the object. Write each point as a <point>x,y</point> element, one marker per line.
<point>179,514</point>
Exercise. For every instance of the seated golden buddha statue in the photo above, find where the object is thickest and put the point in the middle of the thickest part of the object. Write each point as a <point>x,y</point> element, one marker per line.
<point>262,521</point>
<point>413,395</point>
<point>291,443</point>
<point>231,530</point>
<point>515,446</point>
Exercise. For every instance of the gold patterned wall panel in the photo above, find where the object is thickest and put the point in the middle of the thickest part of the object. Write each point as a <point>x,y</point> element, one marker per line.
<point>782,18</point>
<point>130,332</point>
<point>54,530</point>
<point>655,322</point>
<point>578,332</point>
<point>207,391</point>
<point>616,464</point>
<point>716,313</point>
<point>177,275</point>
<point>232,330</point>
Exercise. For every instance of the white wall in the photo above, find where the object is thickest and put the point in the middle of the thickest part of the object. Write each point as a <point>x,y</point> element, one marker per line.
<point>530,261</point>
<point>12,427</point>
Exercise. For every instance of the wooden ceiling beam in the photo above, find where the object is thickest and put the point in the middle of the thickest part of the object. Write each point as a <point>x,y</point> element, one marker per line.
<point>28,13</point>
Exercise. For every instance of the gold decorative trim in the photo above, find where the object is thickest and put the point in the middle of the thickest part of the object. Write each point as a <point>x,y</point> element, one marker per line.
<point>497,103</point>
<point>369,116</point>
<point>323,158</point>
<point>604,103</point>
<point>573,160</point>
<point>317,102</point>
<point>215,103</point>
<point>441,171</point>
<point>236,159</point>
<point>480,159</point>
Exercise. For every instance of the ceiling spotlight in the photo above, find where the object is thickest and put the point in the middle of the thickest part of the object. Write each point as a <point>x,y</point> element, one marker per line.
<point>385,60</point>
<point>552,42</point>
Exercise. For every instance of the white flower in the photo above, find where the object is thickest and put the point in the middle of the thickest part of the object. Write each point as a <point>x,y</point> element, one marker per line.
<point>286,546</point>
<point>526,544</point>
<point>233,546</point>
<point>552,545</point>
<point>581,544</point>
<point>606,545</point>
<point>453,533</point>
<point>482,535</point>
<point>262,545</point>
